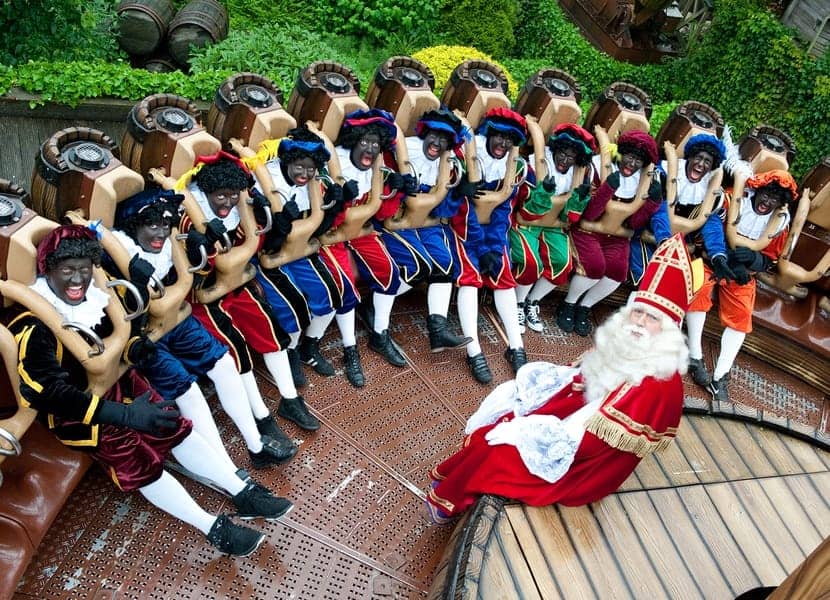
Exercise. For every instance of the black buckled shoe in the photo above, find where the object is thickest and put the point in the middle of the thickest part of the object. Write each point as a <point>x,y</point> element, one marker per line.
<point>565,316</point>
<point>440,337</point>
<point>717,387</point>
<point>269,428</point>
<point>309,351</point>
<point>479,369</point>
<point>516,357</point>
<point>383,344</point>
<point>582,321</point>
<point>274,452</point>
<point>351,366</point>
<point>255,501</point>
<point>296,368</point>
<point>236,540</point>
<point>296,411</point>
<point>700,375</point>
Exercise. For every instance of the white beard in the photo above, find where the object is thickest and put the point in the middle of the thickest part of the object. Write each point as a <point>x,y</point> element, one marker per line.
<point>619,357</point>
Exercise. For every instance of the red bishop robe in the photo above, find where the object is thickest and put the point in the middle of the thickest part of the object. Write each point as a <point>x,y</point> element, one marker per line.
<point>631,422</point>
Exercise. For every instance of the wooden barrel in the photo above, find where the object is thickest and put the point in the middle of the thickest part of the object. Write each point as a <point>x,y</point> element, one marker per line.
<point>551,96</point>
<point>403,86</point>
<point>476,86</point>
<point>621,107</point>
<point>686,120</point>
<point>159,63</point>
<point>324,93</point>
<point>199,23</point>
<point>767,148</point>
<point>249,107</point>
<point>142,24</point>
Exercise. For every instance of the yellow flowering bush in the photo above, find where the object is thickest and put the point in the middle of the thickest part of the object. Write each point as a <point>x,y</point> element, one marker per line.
<point>443,60</point>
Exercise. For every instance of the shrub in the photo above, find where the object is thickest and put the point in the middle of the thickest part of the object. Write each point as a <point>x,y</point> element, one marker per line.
<point>378,20</point>
<point>443,60</point>
<point>485,24</point>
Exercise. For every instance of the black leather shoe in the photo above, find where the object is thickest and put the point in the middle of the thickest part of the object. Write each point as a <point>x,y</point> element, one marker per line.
<point>516,357</point>
<point>439,336</point>
<point>717,387</point>
<point>295,410</point>
<point>236,540</point>
<point>296,368</point>
<point>309,351</point>
<point>700,375</point>
<point>382,344</point>
<point>256,501</point>
<point>273,453</point>
<point>269,428</point>
<point>479,369</point>
<point>582,321</point>
<point>565,316</point>
<point>351,366</point>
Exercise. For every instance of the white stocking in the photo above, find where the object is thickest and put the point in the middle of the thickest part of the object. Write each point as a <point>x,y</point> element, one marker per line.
<point>603,288</point>
<point>541,288</point>
<point>168,494</point>
<point>196,455</point>
<point>192,405</point>
<point>694,328</point>
<point>232,391</point>
<point>438,298</point>
<point>730,344</point>
<point>521,292</point>
<point>294,339</point>
<point>317,328</point>
<point>579,285</point>
<point>345,323</point>
<point>468,316</point>
<point>383,310</point>
<point>505,301</point>
<point>280,369</point>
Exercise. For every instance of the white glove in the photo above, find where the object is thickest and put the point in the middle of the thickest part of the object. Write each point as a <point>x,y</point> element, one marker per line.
<point>507,432</point>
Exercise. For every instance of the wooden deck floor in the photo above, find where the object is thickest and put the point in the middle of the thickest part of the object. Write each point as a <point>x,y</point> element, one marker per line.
<point>728,508</point>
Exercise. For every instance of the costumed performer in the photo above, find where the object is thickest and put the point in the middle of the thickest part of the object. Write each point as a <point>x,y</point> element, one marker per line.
<point>572,435</point>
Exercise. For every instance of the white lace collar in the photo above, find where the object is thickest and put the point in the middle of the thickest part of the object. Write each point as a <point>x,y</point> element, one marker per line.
<point>349,171</point>
<point>426,169</point>
<point>162,261</point>
<point>688,193</point>
<point>230,222</point>
<point>751,224</point>
<point>90,312</point>
<point>492,169</point>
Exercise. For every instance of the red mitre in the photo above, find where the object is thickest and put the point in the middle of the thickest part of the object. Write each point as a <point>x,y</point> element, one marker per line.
<point>668,283</point>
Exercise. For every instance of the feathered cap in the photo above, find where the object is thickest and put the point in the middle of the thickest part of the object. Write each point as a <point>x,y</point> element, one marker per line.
<point>446,121</point>
<point>373,116</point>
<point>777,176</point>
<point>708,143</point>
<point>669,282</point>
<point>504,120</point>
<point>166,200</point>
<point>49,244</point>
<point>638,142</point>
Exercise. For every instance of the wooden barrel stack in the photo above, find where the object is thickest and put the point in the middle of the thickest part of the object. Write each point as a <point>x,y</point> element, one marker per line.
<point>160,39</point>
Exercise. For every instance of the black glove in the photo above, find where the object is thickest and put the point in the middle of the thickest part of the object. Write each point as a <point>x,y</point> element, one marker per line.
<point>215,231</point>
<point>410,185</point>
<point>350,190</point>
<point>395,181</point>
<point>140,414</point>
<point>751,259</point>
<point>470,189</point>
<point>193,243</point>
<point>333,198</point>
<point>583,190</point>
<point>142,349</point>
<point>721,270</point>
<point>290,210</point>
<point>260,205</point>
<point>282,224</point>
<point>549,184</point>
<point>613,180</point>
<point>490,263</point>
<point>655,191</point>
<point>742,275</point>
<point>140,273</point>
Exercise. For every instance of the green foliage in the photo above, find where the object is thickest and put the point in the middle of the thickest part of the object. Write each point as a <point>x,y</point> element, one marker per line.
<point>762,76</point>
<point>378,20</point>
<point>442,60</point>
<point>485,24</point>
<point>57,30</point>
<point>250,15</point>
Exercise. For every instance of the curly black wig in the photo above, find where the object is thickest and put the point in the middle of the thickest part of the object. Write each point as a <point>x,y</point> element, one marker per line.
<point>74,248</point>
<point>223,174</point>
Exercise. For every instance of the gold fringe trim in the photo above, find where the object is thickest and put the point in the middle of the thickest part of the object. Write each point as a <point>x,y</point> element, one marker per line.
<point>617,436</point>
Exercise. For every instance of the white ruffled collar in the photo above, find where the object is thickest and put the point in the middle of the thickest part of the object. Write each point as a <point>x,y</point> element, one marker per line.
<point>89,313</point>
<point>563,181</point>
<point>162,261</point>
<point>349,171</point>
<point>492,169</point>
<point>426,169</point>
<point>289,191</point>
